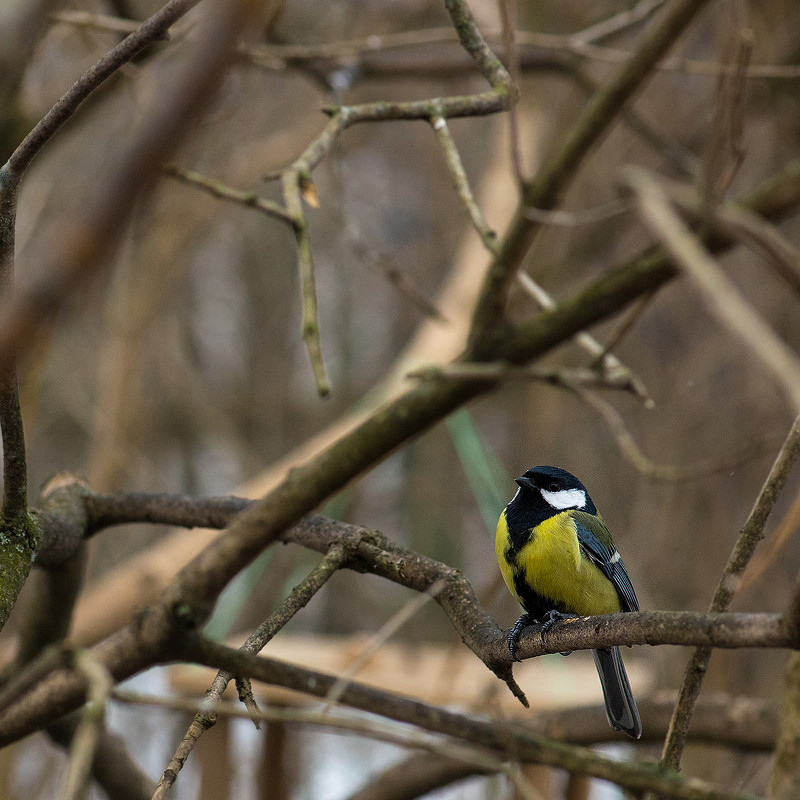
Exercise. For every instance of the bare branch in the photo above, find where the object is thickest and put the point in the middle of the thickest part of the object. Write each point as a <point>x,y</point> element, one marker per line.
<point>188,600</point>
<point>556,174</point>
<point>739,722</point>
<point>278,55</point>
<point>741,224</point>
<point>473,42</point>
<point>98,22</point>
<point>295,181</point>
<point>514,742</point>
<point>618,22</point>
<point>750,535</point>
<point>380,730</point>
<point>113,769</point>
<point>206,718</point>
<point>151,30</point>
<point>724,150</point>
<point>575,219</point>
<point>610,365</point>
<point>663,472</point>
<point>223,192</point>
<point>371,647</point>
<point>87,734</point>
<point>83,247</point>
<point>719,294</point>
<point>461,184</point>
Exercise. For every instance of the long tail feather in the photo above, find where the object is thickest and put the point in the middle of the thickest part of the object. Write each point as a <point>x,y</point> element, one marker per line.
<point>620,706</point>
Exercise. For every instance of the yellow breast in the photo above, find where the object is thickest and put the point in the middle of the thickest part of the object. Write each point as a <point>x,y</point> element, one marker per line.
<point>552,564</point>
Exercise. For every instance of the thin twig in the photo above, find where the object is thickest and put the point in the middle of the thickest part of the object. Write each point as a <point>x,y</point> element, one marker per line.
<point>646,466</point>
<point>508,22</point>
<point>298,184</point>
<point>83,246</point>
<point>556,174</point>
<point>370,648</point>
<point>575,219</point>
<point>277,55</point>
<point>611,365</point>
<point>371,256</point>
<point>743,225</point>
<point>750,535</point>
<point>473,42</point>
<point>292,182</point>
<point>151,30</point>
<point>720,295</point>
<point>461,183</point>
<point>500,372</point>
<point>206,717</point>
<point>618,22</point>
<point>375,729</point>
<point>87,735</point>
<point>223,192</point>
<point>724,150</point>
<point>781,535</point>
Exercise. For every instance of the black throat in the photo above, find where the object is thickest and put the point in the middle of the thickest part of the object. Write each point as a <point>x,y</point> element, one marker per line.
<point>526,511</point>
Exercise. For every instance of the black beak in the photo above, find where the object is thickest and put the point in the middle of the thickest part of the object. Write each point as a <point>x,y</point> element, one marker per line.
<point>525,483</point>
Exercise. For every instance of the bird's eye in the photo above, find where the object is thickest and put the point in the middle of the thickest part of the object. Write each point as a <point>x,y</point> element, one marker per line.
<point>553,486</point>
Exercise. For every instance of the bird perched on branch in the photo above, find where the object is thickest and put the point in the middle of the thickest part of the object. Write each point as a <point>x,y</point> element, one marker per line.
<point>558,560</point>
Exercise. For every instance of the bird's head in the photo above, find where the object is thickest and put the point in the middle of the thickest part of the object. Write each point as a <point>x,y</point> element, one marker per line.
<point>555,488</point>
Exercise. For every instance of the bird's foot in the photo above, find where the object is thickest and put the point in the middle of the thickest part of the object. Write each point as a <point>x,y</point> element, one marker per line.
<point>551,618</point>
<point>514,634</point>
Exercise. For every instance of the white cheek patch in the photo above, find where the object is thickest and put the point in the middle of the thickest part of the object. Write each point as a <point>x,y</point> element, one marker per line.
<point>566,498</point>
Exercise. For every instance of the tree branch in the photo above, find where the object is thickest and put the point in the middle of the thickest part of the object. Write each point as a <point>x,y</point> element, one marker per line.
<point>511,741</point>
<point>555,175</point>
<point>188,600</point>
<point>83,246</point>
<point>151,30</point>
<point>718,293</point>
<point>750,535</point>
<point>204,720</point>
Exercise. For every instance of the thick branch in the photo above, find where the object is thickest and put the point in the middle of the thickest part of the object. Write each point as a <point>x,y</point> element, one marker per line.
<point>151,639</point>
<point>719,294</point>
<point>742,723</point>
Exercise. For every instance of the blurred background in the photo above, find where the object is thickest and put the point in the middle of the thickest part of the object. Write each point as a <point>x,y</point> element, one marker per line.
<point>185,369</point>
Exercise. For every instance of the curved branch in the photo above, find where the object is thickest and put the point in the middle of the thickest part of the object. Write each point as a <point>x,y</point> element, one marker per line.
<point>376,553</point>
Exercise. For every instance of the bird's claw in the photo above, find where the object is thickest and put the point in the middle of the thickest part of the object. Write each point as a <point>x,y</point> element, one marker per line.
<point>551,618</point>
<point>514,634</point>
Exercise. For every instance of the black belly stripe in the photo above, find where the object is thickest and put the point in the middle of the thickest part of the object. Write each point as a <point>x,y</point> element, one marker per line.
<point>535,604</point>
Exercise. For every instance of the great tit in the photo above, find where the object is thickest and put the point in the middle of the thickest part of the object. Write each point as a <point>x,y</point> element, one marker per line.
<point>558,560</point>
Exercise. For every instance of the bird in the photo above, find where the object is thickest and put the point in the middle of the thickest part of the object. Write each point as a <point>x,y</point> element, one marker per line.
<point>558,560</point>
